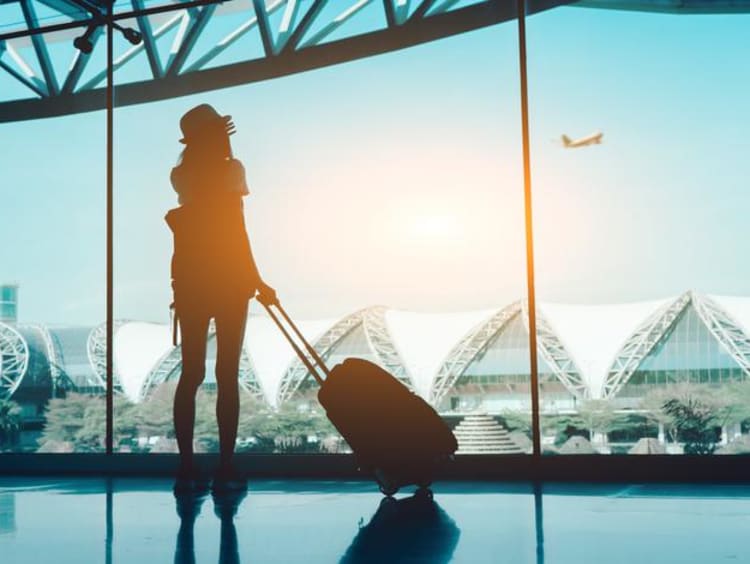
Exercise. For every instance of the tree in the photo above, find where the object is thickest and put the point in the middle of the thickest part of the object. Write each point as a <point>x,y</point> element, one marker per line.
<point>565,426</point>
<point>64,417</point>
<point>153,416</point>
<point>10,423</point>
<point>732,402</point>
<point>629,427</point>
<point>260,428</point>
<point>256,425</point>
<point>206,430</point>
<point>694,421</point>
<point>597,415</point>
<point>292,425</point>
<point>288,429</point>
<point>77,422</point>
<point>517,421</point>
<point>653,404</point>
<point>681,407</point>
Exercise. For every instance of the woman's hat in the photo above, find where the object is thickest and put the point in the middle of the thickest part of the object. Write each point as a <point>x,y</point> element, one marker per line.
<point>201,118</point>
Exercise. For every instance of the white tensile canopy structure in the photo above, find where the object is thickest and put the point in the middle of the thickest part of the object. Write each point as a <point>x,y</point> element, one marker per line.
<point>593,350</point>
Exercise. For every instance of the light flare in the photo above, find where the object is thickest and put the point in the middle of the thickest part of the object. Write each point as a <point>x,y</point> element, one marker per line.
<point>433,227</point>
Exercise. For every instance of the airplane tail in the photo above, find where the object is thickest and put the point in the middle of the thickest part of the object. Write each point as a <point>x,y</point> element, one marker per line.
<point>566,140</point>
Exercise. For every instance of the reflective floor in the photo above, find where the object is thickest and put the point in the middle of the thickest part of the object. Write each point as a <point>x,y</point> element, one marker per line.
<point>141,521</point>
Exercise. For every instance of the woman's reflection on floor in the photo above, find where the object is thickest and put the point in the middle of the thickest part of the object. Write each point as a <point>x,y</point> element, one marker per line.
<point>188,508</point>
<point>225,507</point>
<point>413,529</point>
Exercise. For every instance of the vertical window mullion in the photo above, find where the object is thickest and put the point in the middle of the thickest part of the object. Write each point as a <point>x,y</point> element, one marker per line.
<point>110,320</point>
<point>531,294</point>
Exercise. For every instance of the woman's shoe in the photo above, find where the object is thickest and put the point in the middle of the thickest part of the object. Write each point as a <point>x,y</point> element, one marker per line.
<point>191,481</point>
<point>227,503</point>
<point>188,504</point>
<point>229,480</point>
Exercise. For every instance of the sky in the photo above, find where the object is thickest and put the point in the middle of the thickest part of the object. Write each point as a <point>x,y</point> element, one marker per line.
<point>397,179</point>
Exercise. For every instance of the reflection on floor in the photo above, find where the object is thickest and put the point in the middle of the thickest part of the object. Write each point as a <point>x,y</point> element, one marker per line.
<point>141,521</point>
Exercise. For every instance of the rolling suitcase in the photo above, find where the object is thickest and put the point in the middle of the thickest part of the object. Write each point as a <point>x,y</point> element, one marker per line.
<point>394,434</point>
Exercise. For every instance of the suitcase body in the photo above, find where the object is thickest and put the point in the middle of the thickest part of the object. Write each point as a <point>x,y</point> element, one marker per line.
<point>395,435</point>
<point>393,432</point>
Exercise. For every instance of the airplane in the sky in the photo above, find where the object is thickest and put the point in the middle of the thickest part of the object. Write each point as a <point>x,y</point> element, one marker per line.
<point>593,139</point>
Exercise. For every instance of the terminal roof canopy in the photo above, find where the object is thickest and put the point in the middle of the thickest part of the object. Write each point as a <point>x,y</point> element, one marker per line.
<point>430,352</point>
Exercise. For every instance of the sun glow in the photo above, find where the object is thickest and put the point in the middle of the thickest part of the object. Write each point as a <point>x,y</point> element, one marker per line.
<point>432,227</point>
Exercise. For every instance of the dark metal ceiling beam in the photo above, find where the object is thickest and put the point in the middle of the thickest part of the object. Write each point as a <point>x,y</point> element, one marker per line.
<point>40,48</point>
<point>287,62</point>
<point>197,24</point>
<point>149,41</point>
<point>264,26</point>
<point>81,61</point>
<point>37,30</point>
<point>294,55</point>
<point>671,6</point>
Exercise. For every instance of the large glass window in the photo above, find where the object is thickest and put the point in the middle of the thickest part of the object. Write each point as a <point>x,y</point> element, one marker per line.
<point>638,121</point>
<point>52,291</point>
<point>385,207</point>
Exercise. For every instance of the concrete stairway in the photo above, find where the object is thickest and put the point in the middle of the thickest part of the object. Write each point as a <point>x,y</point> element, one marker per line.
<point>481,434</point>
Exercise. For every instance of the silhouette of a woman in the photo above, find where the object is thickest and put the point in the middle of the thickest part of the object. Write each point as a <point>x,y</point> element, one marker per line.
<point>214,276</point>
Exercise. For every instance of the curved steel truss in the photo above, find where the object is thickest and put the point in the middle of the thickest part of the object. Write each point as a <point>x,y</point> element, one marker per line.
<point>168,368</point>
<point>307,35</point>
<point>382,344</point>
<point>556,356</point>
<point>725,329</point>
<point>642,342</point>
<point>297,373</point>
<point>54,358</point>
<point>96,348</point>
<point>14,360</point>
<point>468,348</point>
<point>248,379</point>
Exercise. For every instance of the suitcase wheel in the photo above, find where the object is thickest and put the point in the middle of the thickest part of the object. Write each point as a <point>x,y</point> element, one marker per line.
<point>423,492</point>
<point>425,483</point>
<point>389,491</point>
<point>386,486</point>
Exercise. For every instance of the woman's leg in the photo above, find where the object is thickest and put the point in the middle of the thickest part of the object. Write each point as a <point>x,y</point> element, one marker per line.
<point>193,332</point>
<point>230,333</point>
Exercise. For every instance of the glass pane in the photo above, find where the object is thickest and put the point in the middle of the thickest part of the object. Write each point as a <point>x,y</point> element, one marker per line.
<point>639,210</point>
<point>32,509</point>
<point>585,523</point>
<point>341,521</point>
<point>391,180</point>
<point>52,290</point>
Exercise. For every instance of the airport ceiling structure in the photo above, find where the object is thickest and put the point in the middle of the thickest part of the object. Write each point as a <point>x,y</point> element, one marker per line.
<point>176,54</point>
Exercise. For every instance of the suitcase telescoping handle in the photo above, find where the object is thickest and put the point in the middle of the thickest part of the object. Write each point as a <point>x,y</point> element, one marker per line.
<point>318,361</point>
